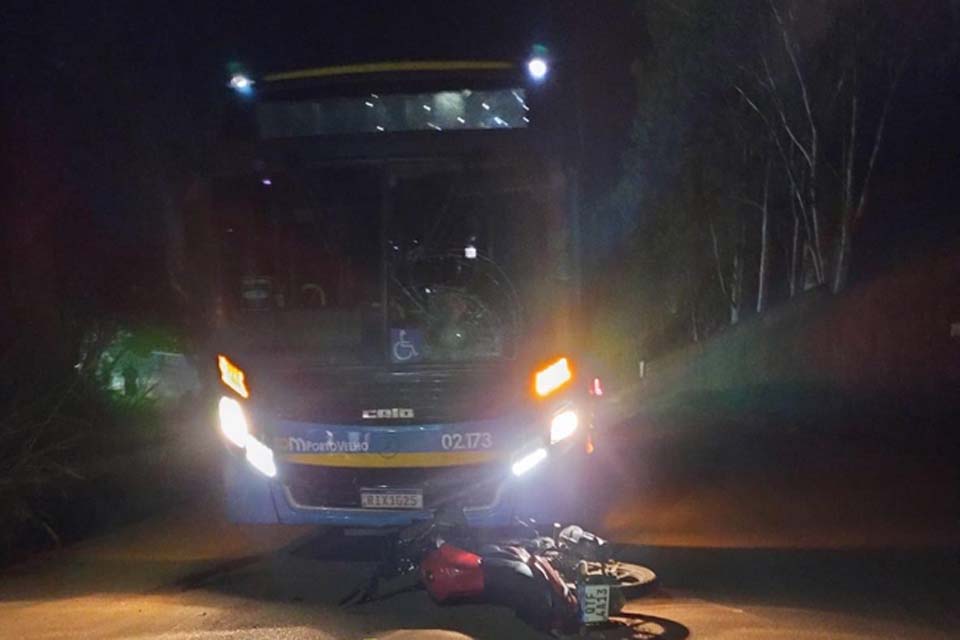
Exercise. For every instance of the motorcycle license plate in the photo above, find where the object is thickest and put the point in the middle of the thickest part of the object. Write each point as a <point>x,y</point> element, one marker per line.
<point>594,602</point>
<point>391,499</point>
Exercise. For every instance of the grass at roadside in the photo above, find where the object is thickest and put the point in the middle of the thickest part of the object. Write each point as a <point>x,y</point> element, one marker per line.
<point>65,443</point>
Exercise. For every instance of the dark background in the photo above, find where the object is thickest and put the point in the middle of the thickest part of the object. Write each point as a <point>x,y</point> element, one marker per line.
<point>114,108</point>
<point>113,111</point>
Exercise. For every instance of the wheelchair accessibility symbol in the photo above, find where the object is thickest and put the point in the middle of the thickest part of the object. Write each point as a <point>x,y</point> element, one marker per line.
<point>406,345</point>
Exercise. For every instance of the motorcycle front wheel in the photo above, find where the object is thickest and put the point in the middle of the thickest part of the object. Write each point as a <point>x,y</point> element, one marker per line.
<point>633,580</point>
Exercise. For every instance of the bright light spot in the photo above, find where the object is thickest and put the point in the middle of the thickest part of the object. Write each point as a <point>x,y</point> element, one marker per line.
<point>470,252</point>
<point>461,120</point>
<point>435,127</point>
<point>261,457</point>
<point>233,376</point>
<point>369,104</point>
<point>525,107</point>
<point>380,128</point>
<point>241,83</point>
<point>374,96</point>
<point>552,377</point>
<point>427,107</point>
<point>267,182</point>
<point>485,106</point>
<point>563,426</point>
<point>596,388</point>
<point>537,68</point>
<point>233,423</point>
<point>500,121</point>
<point>526,119</point>
<point>529,461</point>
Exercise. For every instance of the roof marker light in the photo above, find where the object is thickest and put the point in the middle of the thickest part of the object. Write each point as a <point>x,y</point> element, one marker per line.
<point>538,68</point>
<point>241,83</point>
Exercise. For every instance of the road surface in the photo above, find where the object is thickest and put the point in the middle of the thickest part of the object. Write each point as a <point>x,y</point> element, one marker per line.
<point>717,541</point>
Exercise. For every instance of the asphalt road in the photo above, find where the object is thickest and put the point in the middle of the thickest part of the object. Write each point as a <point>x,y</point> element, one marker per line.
<point>735,561</point>
<point>189,574</point>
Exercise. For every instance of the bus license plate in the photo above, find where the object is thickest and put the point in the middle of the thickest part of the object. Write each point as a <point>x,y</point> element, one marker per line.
<point>594,602</point>
<point>397,499</point>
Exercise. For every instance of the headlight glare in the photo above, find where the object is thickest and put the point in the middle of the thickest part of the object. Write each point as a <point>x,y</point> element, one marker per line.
<point>233,422</point>
<point>563,425</point>
<point>260,456</point>
<point>529,461</point>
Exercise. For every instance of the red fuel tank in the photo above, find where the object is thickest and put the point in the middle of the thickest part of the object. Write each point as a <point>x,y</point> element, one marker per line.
<point>449,573</point>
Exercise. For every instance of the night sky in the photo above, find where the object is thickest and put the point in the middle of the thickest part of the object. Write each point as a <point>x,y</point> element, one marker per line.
<point>115,105</point>
<point>112,108</point>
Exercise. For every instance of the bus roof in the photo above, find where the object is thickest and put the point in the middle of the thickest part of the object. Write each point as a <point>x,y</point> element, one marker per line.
<point>390,68</point>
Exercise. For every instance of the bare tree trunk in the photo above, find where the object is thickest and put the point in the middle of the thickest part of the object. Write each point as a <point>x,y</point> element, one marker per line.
<point>843,254</point>
<point>810,153</point>
<point>718,261</point>
<point>794,252</point>
<point>731,288</point>
<point>853,213</point>
<point>846,213</point>
<point>816,248</point>
<point>764,243</point>
<point>736,280</point>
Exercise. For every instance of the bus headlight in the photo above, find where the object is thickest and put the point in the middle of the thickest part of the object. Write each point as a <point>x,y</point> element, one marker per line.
<point>260,457</point>
<point>563,425</point>
<point>529,461</point>
<point>233,423</point>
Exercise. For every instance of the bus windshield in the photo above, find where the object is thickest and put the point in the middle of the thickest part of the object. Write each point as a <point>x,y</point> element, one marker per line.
<point>408,262</point>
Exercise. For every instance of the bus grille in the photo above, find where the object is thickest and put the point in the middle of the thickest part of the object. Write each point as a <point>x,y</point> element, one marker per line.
<point>341,399</point>
<point>336,487</point>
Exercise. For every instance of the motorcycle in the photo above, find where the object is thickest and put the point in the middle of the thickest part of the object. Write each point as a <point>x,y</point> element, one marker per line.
<point>559,582</point>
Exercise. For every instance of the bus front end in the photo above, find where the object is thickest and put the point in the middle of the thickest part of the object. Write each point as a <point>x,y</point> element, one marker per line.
<point>394,323</point>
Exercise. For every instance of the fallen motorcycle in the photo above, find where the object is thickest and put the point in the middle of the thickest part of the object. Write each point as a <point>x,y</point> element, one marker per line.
<point>561,581</point>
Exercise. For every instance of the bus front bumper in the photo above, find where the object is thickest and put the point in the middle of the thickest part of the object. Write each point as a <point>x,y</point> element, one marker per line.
<point>252,497</point>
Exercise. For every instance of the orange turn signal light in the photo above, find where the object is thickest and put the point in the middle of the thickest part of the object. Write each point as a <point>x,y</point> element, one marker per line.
<point>233,376</point>
<point>552,377</point>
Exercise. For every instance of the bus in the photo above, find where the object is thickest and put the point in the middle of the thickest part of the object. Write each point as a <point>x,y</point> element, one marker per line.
<point>395,255</point>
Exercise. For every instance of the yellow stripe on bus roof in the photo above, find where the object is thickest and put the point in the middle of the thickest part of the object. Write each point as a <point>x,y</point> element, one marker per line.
<point>393,460</point>
<point>391,67</point>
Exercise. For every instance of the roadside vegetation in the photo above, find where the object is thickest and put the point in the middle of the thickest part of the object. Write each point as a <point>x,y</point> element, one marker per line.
<point>85,286</point>
<point>773,152</point>
<point>65,407</point>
